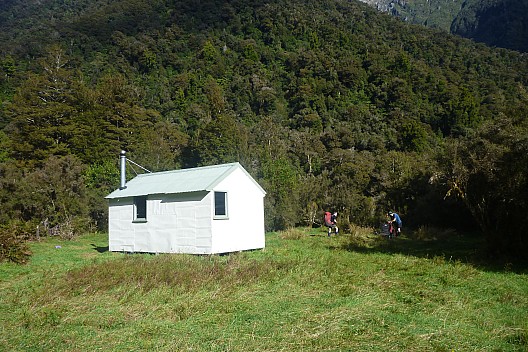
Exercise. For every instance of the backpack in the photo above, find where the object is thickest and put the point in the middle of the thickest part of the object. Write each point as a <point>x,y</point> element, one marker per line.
<point>327,218</point>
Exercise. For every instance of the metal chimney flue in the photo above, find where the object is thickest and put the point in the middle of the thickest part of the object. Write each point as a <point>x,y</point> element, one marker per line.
<point>122,165</point>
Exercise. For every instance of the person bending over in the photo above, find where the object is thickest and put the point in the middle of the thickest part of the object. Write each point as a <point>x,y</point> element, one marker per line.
<point>331,222</point>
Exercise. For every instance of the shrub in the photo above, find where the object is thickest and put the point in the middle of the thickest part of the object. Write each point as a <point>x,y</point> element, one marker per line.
<point>13,242</point>
<point>433,233</point>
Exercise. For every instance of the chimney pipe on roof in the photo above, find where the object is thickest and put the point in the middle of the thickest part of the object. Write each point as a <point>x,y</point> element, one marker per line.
<point>123,169</point>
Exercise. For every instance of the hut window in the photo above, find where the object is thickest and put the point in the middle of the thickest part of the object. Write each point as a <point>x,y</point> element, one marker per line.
<point>140,208</point>
<point>220,206</point>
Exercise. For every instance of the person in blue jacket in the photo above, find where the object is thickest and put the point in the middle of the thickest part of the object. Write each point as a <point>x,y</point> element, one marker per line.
<point>396,222</point>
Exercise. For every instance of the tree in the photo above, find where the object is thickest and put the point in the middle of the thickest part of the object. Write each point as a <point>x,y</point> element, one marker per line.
<point>52,197</point>
<point>159,148</point>
<point>280,180</point>
<point>222,140</point>
<point>45,110</point>
<point>488,171</point>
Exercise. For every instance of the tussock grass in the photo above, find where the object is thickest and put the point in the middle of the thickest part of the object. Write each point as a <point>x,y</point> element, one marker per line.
<point>292,234</point>
<point>303,292</point>
<point>182,272</point>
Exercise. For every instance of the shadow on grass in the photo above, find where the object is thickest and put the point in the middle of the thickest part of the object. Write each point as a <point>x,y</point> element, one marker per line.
<point>100,249</point>
<point>469,249</point>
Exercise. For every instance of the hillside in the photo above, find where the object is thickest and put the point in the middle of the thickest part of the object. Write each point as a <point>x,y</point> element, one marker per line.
<point>437,14</point>
<point>498,23</point>
<point>328,104</point>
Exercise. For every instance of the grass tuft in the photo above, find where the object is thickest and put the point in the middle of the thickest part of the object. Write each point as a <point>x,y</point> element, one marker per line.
<point>292,234</point>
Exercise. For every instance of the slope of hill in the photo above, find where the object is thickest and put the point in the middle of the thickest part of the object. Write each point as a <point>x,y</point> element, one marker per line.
<point>431,13</point>
<point>497,23</point>
<point>500,23</point>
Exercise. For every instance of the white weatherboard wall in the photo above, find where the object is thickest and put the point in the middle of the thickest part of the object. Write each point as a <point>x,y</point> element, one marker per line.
<point>244,227</point>
<point>176,223</point>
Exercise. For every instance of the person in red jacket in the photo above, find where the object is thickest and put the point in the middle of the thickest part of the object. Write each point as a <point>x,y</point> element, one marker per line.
<point>331,222</point>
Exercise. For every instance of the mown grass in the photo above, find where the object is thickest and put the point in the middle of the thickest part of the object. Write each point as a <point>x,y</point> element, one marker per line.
<point>304,292</point>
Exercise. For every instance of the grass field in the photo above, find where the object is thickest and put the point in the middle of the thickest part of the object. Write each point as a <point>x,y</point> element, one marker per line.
<point>303,292</point>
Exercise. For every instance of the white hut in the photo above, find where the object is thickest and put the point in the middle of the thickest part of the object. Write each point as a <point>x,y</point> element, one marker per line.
<point>204,210</point>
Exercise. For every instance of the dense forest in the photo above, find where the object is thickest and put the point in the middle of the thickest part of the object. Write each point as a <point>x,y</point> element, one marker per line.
<point>328,104</point>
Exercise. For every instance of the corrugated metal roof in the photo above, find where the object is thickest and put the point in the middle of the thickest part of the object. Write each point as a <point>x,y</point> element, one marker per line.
<point>177,181</point>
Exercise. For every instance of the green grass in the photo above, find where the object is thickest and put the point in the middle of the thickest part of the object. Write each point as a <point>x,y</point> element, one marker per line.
<point>304,292</point>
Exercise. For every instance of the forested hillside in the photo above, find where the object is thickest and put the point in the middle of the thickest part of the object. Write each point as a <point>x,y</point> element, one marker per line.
<point>431,13</point>
<point>328,104</point>
<point>498,23</point>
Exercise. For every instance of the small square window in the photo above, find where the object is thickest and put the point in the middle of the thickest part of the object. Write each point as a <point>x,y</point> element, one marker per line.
<point>140,208</point>
<point>220,206</point>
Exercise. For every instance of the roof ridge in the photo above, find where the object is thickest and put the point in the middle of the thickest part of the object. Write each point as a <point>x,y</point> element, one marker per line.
<point>190,169</point>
